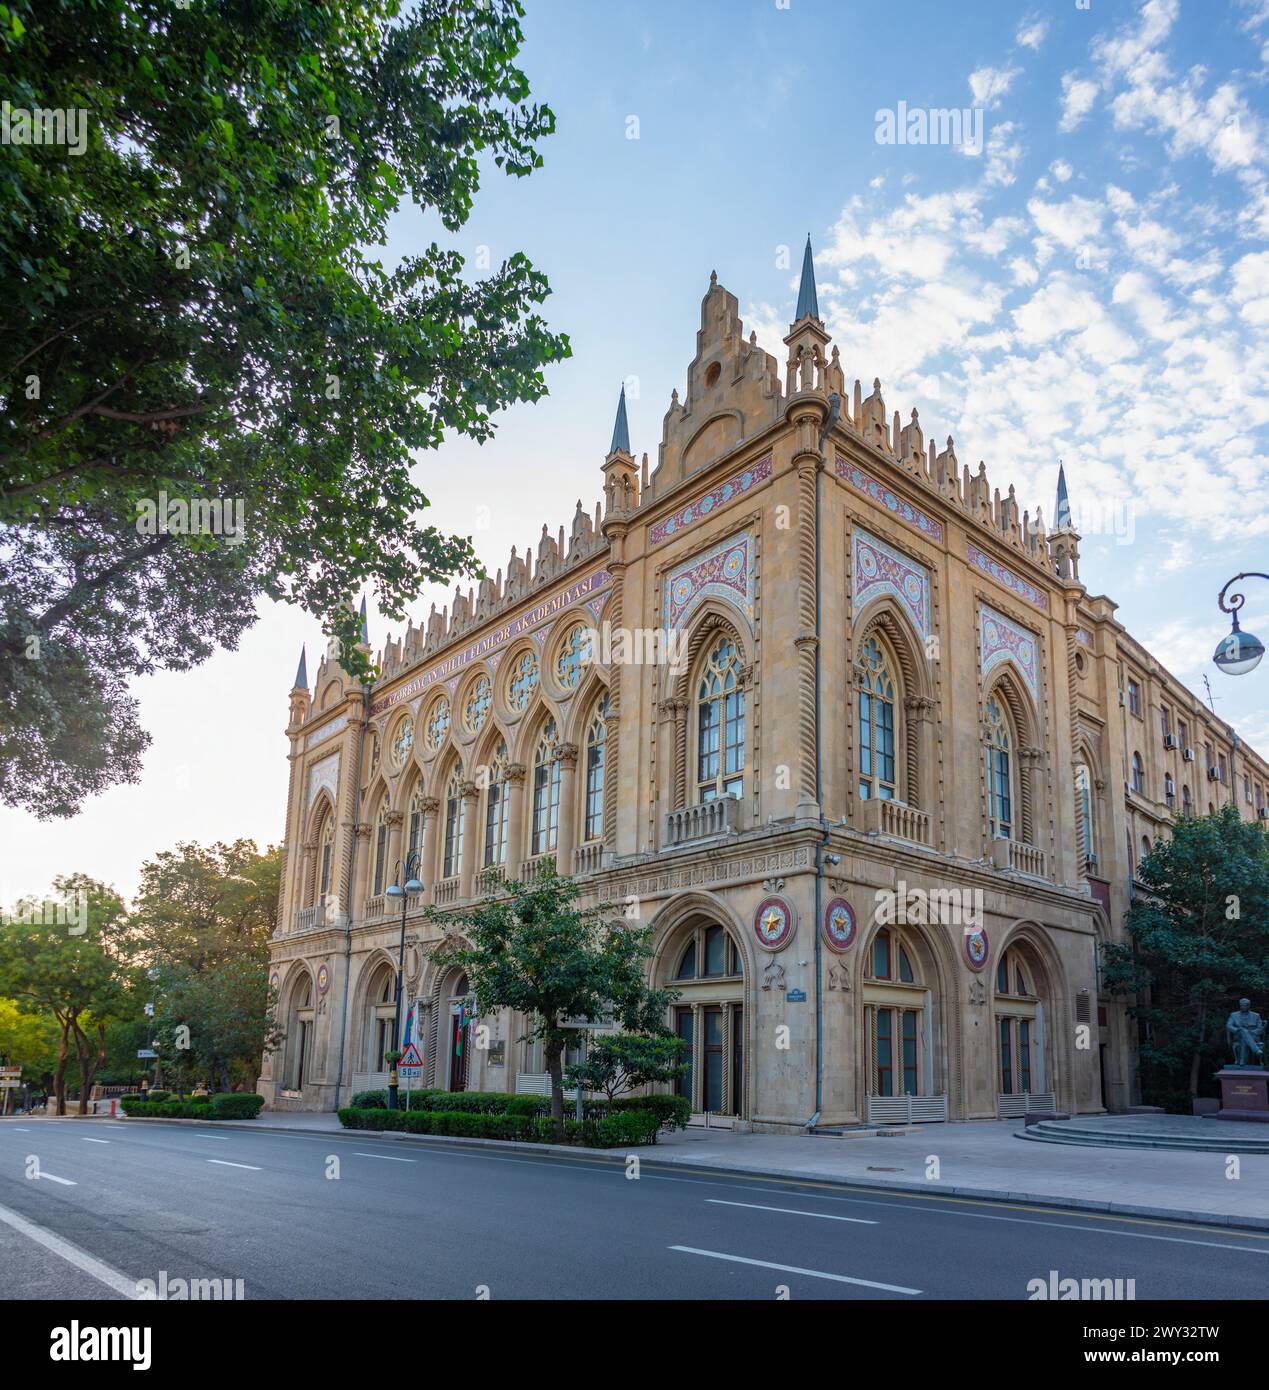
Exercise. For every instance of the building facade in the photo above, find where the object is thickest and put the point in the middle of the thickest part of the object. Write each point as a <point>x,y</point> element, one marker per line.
<point>814,701</point>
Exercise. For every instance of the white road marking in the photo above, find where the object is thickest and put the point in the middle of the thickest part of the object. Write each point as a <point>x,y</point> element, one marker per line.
<point>84,1140</point>
<point>65,1182</point>
<point>790,1211</point>
<point>219,1138</point>
<point>793,1269</point>
<point>224,1163</point>
<point>72,1254</point>
<point>387,1158</point>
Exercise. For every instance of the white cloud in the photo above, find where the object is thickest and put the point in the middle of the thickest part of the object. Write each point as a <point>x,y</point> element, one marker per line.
<point>1061,170</point>
<point>1078,96</point>
<point>1032,32</point>
<point>989,85</point>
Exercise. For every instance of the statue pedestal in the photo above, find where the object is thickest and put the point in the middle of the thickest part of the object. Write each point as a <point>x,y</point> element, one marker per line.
<point>1244,1093</point>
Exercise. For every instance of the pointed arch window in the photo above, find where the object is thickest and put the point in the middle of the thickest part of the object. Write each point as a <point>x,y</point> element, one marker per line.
<point>476,708</point>
<point>437,724</point>
<point>877,730</point>
<point>574,656</point>
<point>720,724</point>
<point>1000,772</point>
<point>546,791</point>
<point>596,733</point>
<point>1084,813</point>
<point>496,808</point>
<point>326,855</point>
<point>403,741</point>
<point>453,856</point>
<point>414,842</point>
<point>522,682</point>
<point>381,845</point>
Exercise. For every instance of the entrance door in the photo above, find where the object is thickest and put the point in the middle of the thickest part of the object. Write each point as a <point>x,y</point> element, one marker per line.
<point>895,1050</point>
<point>458,1049</point>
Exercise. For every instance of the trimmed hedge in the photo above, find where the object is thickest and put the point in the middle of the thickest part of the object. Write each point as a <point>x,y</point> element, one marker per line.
<point>612,1131</point>
<point>229,1105</point>
<point>671,1111</point>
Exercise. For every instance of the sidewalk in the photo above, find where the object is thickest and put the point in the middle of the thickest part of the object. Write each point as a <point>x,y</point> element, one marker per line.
<point>981,1159</point>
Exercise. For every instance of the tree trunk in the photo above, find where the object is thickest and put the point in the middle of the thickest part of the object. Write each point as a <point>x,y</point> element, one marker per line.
<point>59,1071</point>
<point>1198,1050</point>
<point>554,1065</point>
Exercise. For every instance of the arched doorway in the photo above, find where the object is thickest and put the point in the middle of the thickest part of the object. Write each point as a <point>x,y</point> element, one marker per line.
<point>299,1031</point>
<point>1023,1063</point>
<point>706,967</point>
<point>456,1015</point>
<point>903,1067</point>
<point>381,1018</point>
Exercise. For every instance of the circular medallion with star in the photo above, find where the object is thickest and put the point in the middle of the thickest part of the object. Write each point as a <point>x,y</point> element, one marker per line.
<point>839,924</point>
<point>773,923</point>
<point>976,948</point>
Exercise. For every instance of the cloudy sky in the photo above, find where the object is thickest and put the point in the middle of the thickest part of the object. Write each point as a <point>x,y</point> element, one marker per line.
<point>1089,283</point>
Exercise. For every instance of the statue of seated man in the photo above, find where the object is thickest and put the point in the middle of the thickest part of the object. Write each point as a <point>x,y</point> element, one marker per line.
<point>1246,1030</point>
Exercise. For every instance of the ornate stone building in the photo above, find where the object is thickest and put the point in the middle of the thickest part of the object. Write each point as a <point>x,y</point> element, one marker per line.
<point>814,700</point>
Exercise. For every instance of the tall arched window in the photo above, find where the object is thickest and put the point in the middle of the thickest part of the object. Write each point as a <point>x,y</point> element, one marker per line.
<point>595,735</point>
<point>1084,813</point>
<point>1187,806</point>
<point>894,1020</point>
<point>1000,784</point>
<point>877,775</point>
<point>708,1018</point>
<point>546,791</point>
<point>720,724</point>
<point>453,858</point>
<point>1138,774</point>
<point>414,843</point>
<point>496,808</point>
<point>381,845</point>
<point>326,853</point>
<point>1018,1063</point>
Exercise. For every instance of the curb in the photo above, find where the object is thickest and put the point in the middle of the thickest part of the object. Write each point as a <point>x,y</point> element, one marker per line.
<point>619,1156</point>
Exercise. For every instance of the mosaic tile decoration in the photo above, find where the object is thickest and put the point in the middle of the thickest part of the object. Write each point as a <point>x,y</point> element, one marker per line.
<point>891,501</point>
<point>326,731</point>
<point>324,774</point>
<point>999,639</point>
<point>724,571</point>
<point>995,570</point>
<point>878,569</point>
<point>701,507</point>
<point>1084,637</point>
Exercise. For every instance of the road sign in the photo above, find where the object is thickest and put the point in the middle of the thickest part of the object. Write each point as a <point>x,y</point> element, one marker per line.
<point>10,1071</point>
<point>146,1052</point>
<point>10,1083</point>
<point>605,1024</point>
<point>410,1066</point>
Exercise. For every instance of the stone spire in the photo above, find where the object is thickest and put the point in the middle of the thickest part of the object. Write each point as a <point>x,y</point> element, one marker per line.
<point>808,304</point>
<point>301,671</point>
<point>301,700</point>
<point>621,429</point>
<point>365,636</point>
<point>1062,512</point>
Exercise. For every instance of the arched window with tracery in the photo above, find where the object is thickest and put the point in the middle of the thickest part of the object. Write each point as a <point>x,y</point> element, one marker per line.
<point>596,733</point>
<point>381,844</point>
<point>414,839</point>
<point>720,723</point>
<point>496,808</point>
<point>1084,815</point>
<point>546,791</point>
<point>452,860</point>
<point>1001,788</point>
<point>325,856</point>
<point>896,1016</point>
<point>437,725</point>
<point>878,729</point>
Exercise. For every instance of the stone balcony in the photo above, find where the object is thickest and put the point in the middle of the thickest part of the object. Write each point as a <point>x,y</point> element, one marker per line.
<point>588,858</point>
<point>446,890</point>
<point>1014,856</point>
<point>319,915</point>
<point>532,869</point>
<point>895,819</point>
<point>491,878</point>
<point>704,821</point>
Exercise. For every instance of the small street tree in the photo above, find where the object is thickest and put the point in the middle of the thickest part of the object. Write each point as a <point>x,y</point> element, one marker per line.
<point>538,952</point>
<point>73,965</point>
<point>620,1062</point>
<point>1199,939</point>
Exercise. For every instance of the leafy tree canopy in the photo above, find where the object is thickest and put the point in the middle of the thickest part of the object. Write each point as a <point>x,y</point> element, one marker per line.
<point>194,311</point>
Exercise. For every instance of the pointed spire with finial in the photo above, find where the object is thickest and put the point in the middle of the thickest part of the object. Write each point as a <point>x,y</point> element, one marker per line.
<point>301,671</point>
<point>1062,513</point>
<point>808,303</point>
<point>365,634</point>
<point>621,429</point>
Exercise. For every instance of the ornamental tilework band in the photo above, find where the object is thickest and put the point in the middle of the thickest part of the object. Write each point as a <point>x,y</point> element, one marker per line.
<point>891,501</point>
<point>700,507</point>
<point>995,570</point>
<point>1000,639</point>
<point>878,569</point>
<point>326,731</point>
<point>724,571</point>
<point>323,775</point>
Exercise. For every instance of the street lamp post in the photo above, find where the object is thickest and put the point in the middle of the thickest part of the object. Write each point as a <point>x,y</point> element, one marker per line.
<point>1240,652</point>
<point>410,873</point>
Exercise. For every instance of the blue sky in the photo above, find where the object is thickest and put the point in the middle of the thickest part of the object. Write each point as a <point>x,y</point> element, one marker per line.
<point>1093,285</point>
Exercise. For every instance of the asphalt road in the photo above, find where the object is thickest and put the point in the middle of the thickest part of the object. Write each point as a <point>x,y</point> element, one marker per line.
<point>355,1216</point>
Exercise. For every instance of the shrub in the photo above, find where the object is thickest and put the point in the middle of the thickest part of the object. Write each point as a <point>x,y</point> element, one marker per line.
<point>671,1111</point>
<point>234,1105</point>
<point>629,1127</point>
<point>158,1096</point>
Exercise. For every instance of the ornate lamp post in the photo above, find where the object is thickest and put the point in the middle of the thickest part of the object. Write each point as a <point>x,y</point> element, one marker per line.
<point>409,872</point>
<point>1240,652</point>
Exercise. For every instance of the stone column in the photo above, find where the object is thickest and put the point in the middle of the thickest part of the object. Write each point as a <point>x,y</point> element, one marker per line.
<point>566,839</point>
<point>356,906</point>
<point>807,462</point>
<point>471,804</point>
<point>515,818</point>
<point>430,805</point>
<point>615,534</point>
<point>678,790</point>
<point>395,821</point>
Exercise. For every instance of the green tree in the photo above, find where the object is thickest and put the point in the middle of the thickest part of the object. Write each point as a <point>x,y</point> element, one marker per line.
<point>1199,938</point>
<point>537,952</point>
<point>619,1062</point>
<point>28,1041</point>
<point>194,310</point>
<point>74,966</point>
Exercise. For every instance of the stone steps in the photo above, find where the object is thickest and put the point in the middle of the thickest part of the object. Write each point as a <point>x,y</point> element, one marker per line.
<point>1066,1132</point>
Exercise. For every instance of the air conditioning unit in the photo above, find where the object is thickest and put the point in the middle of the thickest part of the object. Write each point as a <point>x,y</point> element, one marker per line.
<point>1213,774</point>
<point>1171,741</point>
<point>1091,859</point>
<point>1188,755</point>
<point>1262,812</point>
